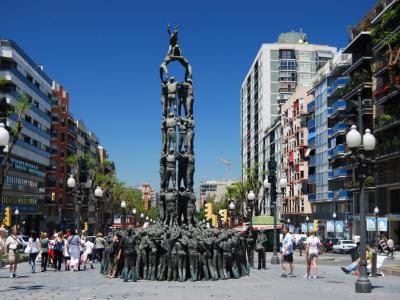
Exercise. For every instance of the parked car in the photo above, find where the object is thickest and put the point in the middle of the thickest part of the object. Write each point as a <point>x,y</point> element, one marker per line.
<point>329,243</point>
<point>344,246</point>
<point>23,241</point>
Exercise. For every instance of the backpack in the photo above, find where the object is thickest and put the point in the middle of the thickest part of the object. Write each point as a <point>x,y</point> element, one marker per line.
<point>58,246</point>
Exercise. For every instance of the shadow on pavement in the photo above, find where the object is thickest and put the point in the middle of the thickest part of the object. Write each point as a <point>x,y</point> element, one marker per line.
<point>28,288</point>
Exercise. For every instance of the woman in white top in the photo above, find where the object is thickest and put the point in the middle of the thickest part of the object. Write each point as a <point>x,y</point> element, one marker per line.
<point>33,250</point>
<point>313,244</point>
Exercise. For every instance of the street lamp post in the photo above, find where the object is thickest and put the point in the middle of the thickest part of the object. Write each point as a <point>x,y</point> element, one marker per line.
<point>134,216</point>
<point>334,224</point>
<point>231,212</point>
<point>359,147</point>
<point>270,184</point>
<point>307,221</point>
<point>71,183</point>
<point>250,197</point>
<point>4,139</point>
<point>98,193</point>
<point>142,218</point>
<point>16,212</point>
<point>376,212</point>
<point>123,207</point>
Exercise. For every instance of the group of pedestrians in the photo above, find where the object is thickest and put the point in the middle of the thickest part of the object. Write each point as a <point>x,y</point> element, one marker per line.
<point>313,249</point>
<point>69,248</point>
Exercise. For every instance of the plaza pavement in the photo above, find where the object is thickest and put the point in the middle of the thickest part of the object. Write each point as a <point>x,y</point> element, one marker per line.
<point>332,283</point>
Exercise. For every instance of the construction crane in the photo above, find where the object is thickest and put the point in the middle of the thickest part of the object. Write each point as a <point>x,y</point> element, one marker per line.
<point>228,167</point>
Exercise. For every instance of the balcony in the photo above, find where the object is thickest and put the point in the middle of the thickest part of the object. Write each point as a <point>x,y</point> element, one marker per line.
<point>337,85</point>
<point>31,127</point>
<point>338,106</point>
<point>312,197</point>
<point>312,161</point>
<point>339,173</point>
<point>311,143</point>
<point>24,80</point>
<point>312,178</point>
<point>311,124</point>
<point>339,195</point>
<point>388,177</point>
<point>338,150</point>
<point>72,132</point>
<point>32,148</point>
<point>339,128</point>
<point>72,147</point>
<point>388,150</point>
<point>311,106</point>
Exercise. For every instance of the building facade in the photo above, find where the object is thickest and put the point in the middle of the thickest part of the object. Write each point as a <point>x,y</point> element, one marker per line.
<point>214,189</point>
<point>275,73</point>
<point>272,150</point>
<point>25,183</point>
<point>387,125</point>
<point>294,138</point>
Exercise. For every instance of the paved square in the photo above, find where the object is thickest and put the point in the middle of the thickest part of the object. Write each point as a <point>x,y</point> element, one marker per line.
<point>266,284</point>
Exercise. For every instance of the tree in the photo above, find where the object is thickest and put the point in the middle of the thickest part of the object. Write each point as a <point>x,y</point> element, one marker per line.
<point>384,32</point>
<point>23,106</point>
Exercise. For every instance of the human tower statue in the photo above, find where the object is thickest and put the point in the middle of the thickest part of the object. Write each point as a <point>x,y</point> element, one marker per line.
<point>177,160</point>
<point>178,247</point>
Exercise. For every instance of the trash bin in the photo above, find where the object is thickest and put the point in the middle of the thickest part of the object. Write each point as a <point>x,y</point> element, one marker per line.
<point>354,253</point>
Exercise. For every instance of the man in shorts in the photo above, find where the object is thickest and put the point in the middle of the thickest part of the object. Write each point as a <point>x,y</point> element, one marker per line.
<point>287,253</point>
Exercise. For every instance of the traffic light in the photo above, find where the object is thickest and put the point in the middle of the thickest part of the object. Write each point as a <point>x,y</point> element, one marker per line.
<point>224,216</point>
<point>7,217</point>
<point>53,196</point>
<point>85,226</point>
<point>316,225</point>
<point>208,211</point>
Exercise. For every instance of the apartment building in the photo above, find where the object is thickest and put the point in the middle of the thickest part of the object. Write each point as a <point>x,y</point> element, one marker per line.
<point>276,71</point>
<point>25,183</point>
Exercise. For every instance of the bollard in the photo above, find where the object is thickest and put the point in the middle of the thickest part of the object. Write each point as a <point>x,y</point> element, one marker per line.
<point>373,264</point>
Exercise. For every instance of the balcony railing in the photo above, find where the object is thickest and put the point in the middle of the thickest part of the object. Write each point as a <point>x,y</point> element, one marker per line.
<point>311,143</point>
<point>339,105</point>
<point>338,150</point>
<point>38,91</point>
<point>312,197</point>
<point>337,129</point>
<point>339,83</point>
<point>312,178</point>
<point>311,161</point>
<point>311,106</point>
<point>339,195</point>
<point>311,124</point>
<point>339,172</point>
<point>388,149</point>
<point>388,177</point>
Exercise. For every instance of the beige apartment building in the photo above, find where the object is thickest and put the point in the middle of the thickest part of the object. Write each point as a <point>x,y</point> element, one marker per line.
<point>294,152</point>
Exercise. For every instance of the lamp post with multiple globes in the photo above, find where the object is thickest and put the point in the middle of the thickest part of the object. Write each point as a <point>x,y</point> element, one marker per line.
<point>360,147</point>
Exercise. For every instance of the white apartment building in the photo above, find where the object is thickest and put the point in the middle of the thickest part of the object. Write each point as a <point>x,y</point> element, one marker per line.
<point>276,71</point>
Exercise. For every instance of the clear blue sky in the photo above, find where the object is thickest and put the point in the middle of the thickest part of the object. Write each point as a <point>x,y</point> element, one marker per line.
<point>107,55</point>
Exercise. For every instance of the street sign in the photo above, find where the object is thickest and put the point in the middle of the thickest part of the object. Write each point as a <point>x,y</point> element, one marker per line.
<point>371,226</point>
<point>382,224</point>
<point>339,226</point>
<point>330,226</point>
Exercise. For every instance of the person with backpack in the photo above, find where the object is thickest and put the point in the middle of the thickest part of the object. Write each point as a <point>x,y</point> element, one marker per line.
<point>58,250</point>
<point>32,250</point>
